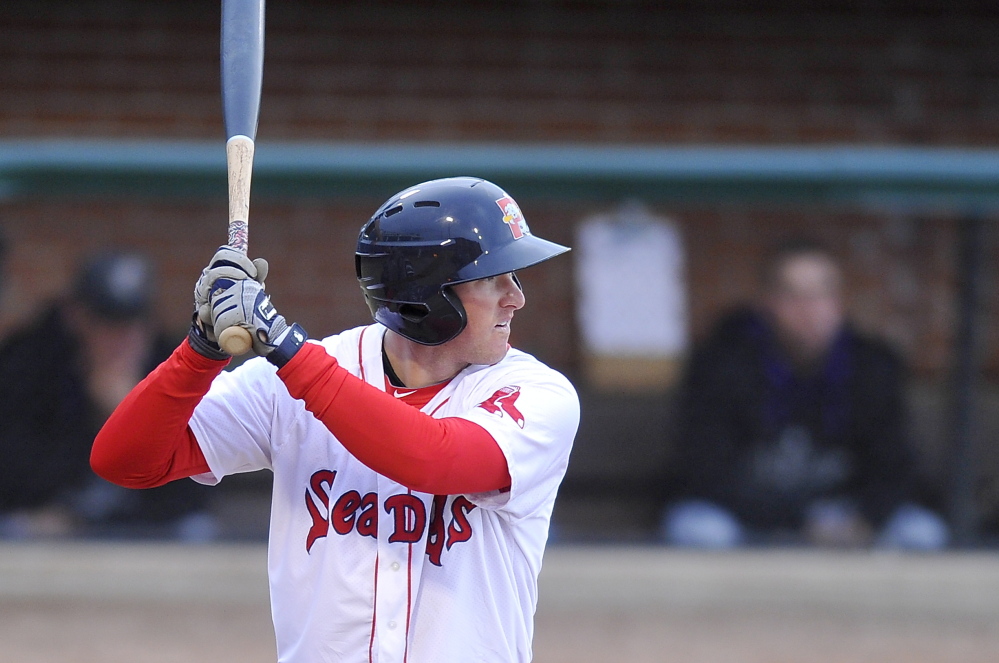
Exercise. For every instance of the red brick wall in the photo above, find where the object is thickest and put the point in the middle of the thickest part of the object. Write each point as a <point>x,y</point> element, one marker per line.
<point>757,71</point>
<point>597,72</point>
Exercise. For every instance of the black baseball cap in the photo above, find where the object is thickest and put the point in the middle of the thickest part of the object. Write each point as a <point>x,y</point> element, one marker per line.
<point>115,285</point>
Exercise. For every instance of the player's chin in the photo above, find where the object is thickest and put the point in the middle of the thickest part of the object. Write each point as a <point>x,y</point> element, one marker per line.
<point>496,357</point>
<point>497,348</point>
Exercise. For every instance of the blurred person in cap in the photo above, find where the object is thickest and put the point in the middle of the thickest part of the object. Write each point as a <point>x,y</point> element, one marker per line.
<point>793,424</point>
<point>61,375</point>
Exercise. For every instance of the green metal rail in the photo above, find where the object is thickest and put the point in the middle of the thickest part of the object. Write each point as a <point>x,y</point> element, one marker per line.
<point>957,179</point>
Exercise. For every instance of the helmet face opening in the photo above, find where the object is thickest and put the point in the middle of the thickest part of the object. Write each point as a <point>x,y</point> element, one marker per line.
<point>434,235</point>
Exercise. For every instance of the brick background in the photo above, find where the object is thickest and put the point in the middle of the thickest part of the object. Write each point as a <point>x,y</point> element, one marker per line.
<point>756,71</point>
<point>753,72</point>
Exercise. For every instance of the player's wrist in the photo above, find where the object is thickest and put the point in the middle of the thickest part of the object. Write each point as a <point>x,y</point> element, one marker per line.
<point>198,339</point>
<point>287,345</point>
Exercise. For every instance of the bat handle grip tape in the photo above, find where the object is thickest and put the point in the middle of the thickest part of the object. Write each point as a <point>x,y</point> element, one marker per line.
<point>239,160</point>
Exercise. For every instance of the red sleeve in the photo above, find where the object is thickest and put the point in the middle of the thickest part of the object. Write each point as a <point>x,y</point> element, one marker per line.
<point>448,456</point>
<point>146,441</point>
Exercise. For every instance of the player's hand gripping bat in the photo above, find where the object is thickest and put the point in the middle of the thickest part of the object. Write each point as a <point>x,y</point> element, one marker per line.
<point>242,55</point>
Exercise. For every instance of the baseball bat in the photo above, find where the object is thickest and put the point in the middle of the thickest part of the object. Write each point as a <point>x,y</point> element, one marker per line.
<point>242,56</point>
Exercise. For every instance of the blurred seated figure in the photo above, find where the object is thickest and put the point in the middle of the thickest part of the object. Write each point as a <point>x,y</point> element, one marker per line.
<point>792,425</point>
<point>60,378</point>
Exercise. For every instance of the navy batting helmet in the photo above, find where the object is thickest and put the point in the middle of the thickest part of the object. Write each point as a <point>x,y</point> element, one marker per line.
<point>432,236</point>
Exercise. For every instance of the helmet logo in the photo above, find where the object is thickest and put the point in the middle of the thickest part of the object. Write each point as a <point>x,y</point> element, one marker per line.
<point>512,217</point>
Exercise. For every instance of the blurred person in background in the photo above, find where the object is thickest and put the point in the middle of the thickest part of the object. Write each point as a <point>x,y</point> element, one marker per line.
<point>60,377</point>
<point>792,425</point>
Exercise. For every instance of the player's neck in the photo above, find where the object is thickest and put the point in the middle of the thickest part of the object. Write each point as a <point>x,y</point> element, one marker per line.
<point>417,365</point>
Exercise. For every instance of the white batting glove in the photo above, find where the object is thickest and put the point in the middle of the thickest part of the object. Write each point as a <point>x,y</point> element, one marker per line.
<point>243,303</point>
<point>228,263</point>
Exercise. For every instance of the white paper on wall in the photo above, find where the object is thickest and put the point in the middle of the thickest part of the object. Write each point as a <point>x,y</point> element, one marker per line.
<point>631,298</point>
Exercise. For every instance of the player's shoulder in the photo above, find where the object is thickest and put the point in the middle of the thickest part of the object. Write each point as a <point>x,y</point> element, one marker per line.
<point>519,360</point>
<point>526,388</point>
<point>347,337</point>
<point>349,345</point>
<point>521,368</point>
<point>344,346</point>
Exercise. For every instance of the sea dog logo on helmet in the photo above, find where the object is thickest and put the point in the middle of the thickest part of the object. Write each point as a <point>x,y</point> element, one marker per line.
<point>512,217</point>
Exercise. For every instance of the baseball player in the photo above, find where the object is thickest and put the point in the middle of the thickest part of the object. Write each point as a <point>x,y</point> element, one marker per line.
<point>416,460</point>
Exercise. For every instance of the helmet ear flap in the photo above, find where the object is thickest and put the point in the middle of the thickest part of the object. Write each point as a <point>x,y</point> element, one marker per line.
<point>449,318</point>
<point>414,313</point>
<point>436,322</point>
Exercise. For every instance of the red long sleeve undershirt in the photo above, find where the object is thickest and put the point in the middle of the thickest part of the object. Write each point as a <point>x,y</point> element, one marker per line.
<point>147,441</point>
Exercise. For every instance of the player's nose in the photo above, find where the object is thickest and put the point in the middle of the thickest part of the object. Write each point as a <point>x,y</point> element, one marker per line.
<point>512,294</point>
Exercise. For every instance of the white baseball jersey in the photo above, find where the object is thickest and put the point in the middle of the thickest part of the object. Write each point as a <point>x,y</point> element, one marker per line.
<point>363,569</point>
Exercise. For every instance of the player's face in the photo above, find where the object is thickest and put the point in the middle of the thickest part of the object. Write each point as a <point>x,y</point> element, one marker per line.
<point>489,304</point>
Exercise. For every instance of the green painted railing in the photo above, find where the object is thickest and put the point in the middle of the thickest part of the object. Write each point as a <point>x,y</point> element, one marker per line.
<point>961,179</point>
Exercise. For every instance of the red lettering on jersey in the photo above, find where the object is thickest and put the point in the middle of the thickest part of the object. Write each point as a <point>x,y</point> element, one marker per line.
<point>352,512</point>
<point>410,518</point>
<point>342,515</point>
<point>367,520</point>
<point>320,524</point>
<point>502,401</point>
<point>460,529</point>
<point>435,531</point>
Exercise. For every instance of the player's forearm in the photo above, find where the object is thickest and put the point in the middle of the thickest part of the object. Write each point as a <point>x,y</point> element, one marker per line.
<point>146,442</point>
<point>440,456</point>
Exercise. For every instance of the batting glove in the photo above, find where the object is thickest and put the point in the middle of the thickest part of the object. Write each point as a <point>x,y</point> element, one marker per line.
<point>227,263</point>
<point>244,303</point>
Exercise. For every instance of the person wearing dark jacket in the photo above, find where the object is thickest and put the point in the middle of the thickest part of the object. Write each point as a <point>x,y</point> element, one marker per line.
<point>792,424</point>
<point>60,377</point>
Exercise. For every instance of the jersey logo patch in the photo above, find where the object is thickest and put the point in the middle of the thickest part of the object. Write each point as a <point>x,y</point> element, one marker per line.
<point>504,401</point>
<point>512,217</point>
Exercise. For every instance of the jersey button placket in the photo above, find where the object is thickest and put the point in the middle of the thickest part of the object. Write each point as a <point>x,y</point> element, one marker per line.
<point>392,601</point>
<point>393,584</point>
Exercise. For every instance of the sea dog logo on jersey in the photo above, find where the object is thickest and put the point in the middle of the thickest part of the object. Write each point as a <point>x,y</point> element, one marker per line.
<point>502,401</point>
<point>445,525</point>
<point>512,217</point>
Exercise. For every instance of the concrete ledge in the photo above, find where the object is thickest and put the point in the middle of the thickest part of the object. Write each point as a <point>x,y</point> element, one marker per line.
<point>134,571</point>
<point>639,579</point>
<point>127,602</point>
<point>574,579</point>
